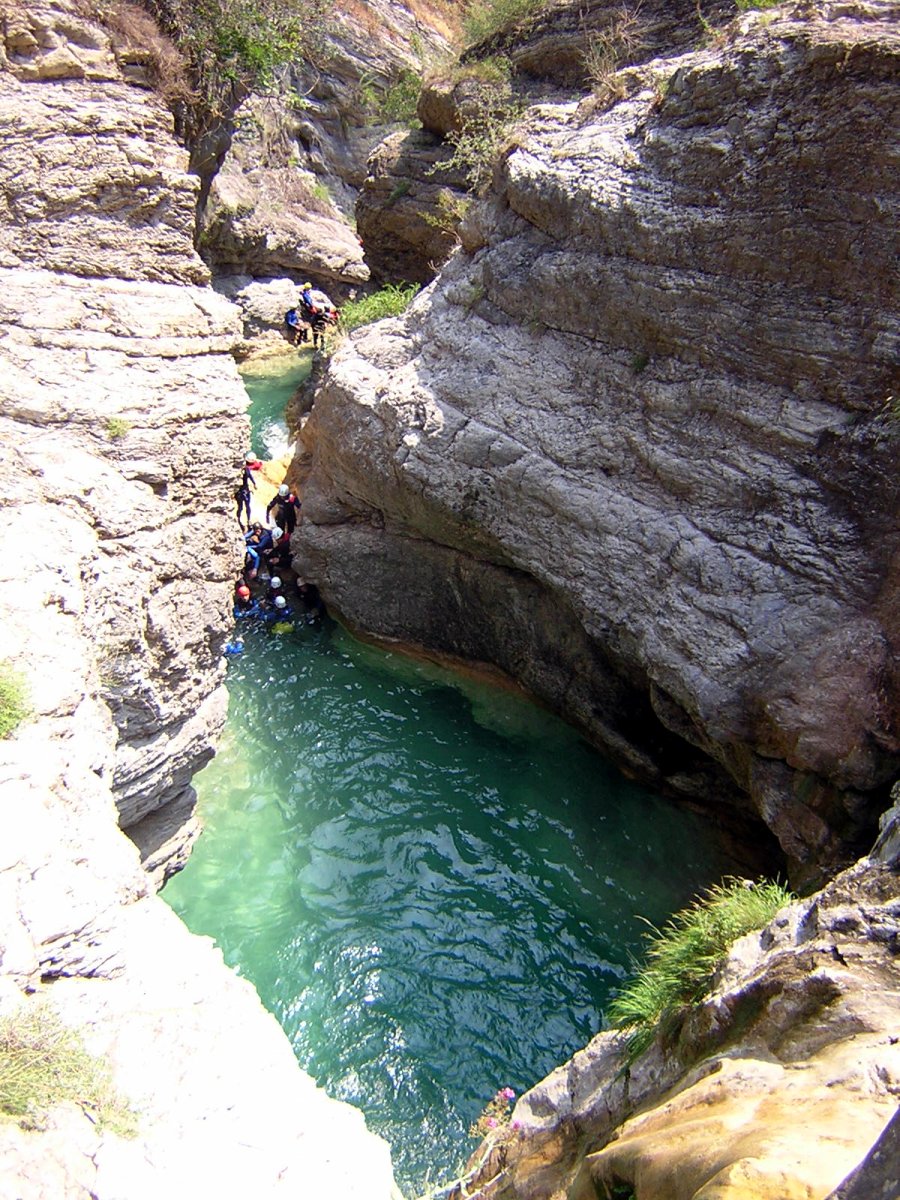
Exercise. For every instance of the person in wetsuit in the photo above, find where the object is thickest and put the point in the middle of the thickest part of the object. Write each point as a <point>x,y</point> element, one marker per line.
<point>242,495</point>
<point>287,508</point>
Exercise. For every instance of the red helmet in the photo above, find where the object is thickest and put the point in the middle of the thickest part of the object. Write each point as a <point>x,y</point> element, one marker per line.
<point>244,592</point>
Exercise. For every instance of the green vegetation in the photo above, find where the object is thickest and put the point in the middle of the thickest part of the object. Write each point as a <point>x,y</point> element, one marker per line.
<point>450,210</point>
<point>485,134</point>
<point>234,47</point>
<point>398,104</point>
<point>388,301</point>
<point>43,1063</point>
<point>748,5</point>
<point>14,706</point>
<point>486,17</point>
<point>117,427</point>
<point>684,956</point>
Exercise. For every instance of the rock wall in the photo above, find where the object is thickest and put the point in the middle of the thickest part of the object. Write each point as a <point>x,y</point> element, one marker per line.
<point>635,445</point>
<point>122,424</point>
<point>773,1088</point>
<point>283,202</point>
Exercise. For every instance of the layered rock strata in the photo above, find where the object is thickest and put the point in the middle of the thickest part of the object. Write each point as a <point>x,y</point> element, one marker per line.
<point>122,424</point>
<point>636,445</point>
<point>773,1088</point>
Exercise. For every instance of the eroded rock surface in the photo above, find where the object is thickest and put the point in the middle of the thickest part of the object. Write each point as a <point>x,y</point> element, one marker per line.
<point>409,207</point>
<point>635,444</point>
<point>122,425</point>
<point>772,1089</point>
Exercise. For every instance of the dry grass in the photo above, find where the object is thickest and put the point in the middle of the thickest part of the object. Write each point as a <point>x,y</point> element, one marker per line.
<point>610,49</point>
<point>43,1064</point>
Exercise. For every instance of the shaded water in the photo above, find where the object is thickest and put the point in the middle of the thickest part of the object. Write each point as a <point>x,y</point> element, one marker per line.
<point>432,883</point>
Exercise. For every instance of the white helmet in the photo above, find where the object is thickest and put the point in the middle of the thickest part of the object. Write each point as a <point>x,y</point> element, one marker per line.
<point>275,582</point>
<point>284,490</point>
<point>251,457</point>
<point>276,532</point>
<point>280,602</point>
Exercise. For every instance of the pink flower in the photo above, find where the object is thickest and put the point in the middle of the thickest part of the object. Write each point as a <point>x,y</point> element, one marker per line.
<point>516,1126</point>
<point>508,1094</point>
<point>491,1122</point>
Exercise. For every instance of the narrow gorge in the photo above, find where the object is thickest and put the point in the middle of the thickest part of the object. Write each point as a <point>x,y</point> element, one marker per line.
<point>630,453</point>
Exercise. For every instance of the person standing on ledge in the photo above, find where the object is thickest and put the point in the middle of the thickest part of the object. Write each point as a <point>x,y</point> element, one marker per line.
<point>286,506</point>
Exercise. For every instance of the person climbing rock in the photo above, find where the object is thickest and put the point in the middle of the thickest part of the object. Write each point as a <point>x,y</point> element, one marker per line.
<point>287,508</point>
<point>318,311</point>
<point>242,495</point>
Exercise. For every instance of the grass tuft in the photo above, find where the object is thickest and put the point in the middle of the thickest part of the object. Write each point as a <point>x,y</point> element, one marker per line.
<point>14,706</point>
<point>43,1063</point>
<point>484,18</point>
<point>684,955</point>
<point>388,301</point>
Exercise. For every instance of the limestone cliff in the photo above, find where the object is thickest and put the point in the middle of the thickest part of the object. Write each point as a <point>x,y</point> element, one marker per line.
<point>122,425</point>
<point>636,444</point>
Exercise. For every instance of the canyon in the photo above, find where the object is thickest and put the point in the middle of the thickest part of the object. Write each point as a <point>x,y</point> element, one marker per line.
<point>635,447</point>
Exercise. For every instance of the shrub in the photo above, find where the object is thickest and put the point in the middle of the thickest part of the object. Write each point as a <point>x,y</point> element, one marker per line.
<point>609,49</point>
<point>388,301</point>
<point>399,102</point>
<point>685,954</point>
<point>235,47</point>
<point>43,1063</point>
<point>486,17</point>
<point>14,706</point>
<point>117,427</point>
<point>485,133</point>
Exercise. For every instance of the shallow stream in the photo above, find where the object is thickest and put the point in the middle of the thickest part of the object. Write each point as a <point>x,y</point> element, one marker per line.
<point>434,884</point>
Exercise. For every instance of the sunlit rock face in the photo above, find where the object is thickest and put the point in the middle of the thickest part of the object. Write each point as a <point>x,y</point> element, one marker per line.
<point>635,444</point>
<point>122,427</point>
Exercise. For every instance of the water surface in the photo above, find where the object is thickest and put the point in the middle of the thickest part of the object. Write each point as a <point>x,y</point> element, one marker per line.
<point>270,385</point>
<point>432,883</point>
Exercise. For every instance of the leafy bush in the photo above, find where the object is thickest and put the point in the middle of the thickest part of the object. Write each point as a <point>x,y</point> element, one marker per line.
<point>400,99</point>
<point>685,954</point>
<point>43,1063</point>
<point>388,301</point>
<point>235,47</point>
<point>117,427</point>
<point>14,706</point>
<point>485,133</point>
<point>486,17</point>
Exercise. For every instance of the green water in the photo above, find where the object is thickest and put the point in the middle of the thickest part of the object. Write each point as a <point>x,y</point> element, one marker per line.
<point>432,883</point>
<point>270,386</point>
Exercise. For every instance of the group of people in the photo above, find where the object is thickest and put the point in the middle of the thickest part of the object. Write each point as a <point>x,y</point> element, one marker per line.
<point>260,592</point>
<point>314,313</point>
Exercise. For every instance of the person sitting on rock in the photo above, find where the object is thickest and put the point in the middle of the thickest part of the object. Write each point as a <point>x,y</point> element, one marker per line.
<point>286,506</point>
<point>298,331</point>
<point>258,541</point>
<point>280,554</point>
